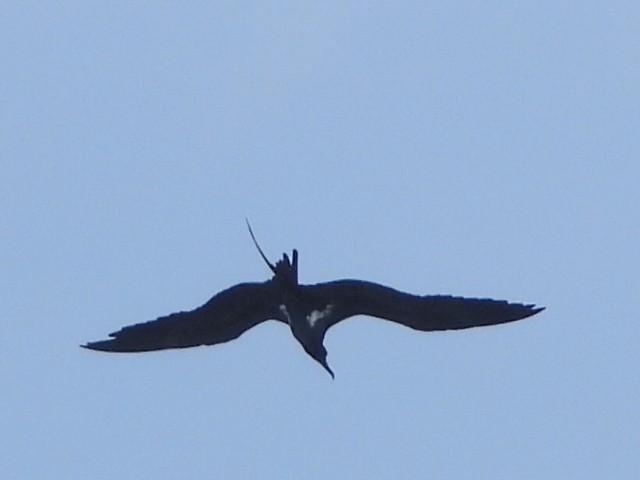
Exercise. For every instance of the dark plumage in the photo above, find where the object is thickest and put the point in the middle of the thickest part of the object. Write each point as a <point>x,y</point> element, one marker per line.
<point>310,310</point>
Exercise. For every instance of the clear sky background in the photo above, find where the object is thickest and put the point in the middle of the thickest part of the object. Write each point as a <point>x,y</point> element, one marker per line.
<point>473,148</point>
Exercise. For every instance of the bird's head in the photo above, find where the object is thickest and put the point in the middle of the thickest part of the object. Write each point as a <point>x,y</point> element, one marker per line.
<point>318,352</point>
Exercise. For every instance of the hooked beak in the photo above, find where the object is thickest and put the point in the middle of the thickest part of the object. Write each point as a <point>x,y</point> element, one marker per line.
<point>328,369</point>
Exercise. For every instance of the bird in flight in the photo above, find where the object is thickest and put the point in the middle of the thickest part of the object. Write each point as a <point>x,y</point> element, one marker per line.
<point>309,310</point>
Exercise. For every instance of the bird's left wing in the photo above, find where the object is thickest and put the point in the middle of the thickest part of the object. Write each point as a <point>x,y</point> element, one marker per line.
<point>225,317</point>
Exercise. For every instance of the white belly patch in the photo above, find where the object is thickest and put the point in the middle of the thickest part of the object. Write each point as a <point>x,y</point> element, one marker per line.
<point>316,315</point>
<point>285,312</point>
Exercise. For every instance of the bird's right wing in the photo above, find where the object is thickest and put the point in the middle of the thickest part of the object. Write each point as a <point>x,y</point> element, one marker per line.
<point>345,298</point>
<point>225,317</point>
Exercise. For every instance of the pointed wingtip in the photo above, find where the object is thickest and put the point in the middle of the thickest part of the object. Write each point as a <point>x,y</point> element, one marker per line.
<point>95,346</point>
<point>535,309</point>
<point>526,311</point>
<point>108,346</point>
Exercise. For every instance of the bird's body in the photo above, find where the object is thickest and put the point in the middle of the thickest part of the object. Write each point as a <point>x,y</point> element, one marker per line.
<point>309,310</point>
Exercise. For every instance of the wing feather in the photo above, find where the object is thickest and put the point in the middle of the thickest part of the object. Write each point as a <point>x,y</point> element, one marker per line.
<point>426,313</point>
<point>225,317</point>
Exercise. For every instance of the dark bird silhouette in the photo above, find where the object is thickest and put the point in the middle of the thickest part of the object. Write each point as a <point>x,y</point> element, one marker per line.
<point>309,310</point>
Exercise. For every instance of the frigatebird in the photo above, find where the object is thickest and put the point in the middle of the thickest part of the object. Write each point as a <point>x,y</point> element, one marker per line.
<point>309,310</point>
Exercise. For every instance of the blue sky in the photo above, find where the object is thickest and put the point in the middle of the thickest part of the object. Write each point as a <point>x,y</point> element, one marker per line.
<point>473,148</point>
